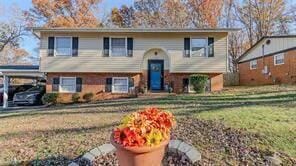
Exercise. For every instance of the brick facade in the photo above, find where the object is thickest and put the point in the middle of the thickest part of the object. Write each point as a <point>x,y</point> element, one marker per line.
<point>96,82</point>
<point>279,74</point>
<point>91,83</point>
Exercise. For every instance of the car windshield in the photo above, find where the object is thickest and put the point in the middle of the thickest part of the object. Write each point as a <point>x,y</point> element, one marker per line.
<point>35,88</point>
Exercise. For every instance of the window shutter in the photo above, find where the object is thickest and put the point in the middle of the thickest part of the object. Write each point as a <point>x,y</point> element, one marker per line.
<point>108,86</point>
<point>210,47</point>
<point>130,46</point>
<point>50,51</point>
<point>131,82</point>
<point>75,46</point>
<point>106,46</point>
<point>186,85</point>
<point>55,84</point>
<point>78,84</point>
<point>186,47</point>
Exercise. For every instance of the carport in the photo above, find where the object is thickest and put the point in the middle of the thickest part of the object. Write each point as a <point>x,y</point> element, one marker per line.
<point>17,71</point>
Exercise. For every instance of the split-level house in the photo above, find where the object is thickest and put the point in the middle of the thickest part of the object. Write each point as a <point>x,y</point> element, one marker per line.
<point>113,62</point>
<point>272,60</point>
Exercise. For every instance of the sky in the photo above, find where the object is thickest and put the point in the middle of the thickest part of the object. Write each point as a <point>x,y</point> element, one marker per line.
<point>30,43</point>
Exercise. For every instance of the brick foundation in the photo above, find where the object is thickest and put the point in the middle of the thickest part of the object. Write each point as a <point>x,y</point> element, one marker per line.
<point>280,74</point>
<point>177,79</point>
<point>96,82</point>
<point>91,82</point>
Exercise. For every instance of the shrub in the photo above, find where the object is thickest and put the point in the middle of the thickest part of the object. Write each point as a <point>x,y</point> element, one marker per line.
<point>50,98</point>
<point>88,97</point>
<point>75,97</point>
<point>199,82</point>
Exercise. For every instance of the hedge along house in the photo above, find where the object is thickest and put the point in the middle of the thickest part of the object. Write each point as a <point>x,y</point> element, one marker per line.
<point>113,63</point>
<point>272,60</point>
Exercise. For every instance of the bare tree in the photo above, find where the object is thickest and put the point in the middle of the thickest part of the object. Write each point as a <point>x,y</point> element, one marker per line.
<point>10,34</point>
<point>123,17</point>
<point>262,18</point>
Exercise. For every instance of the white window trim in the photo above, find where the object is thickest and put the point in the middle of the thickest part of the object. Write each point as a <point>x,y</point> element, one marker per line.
<point>55,46</point>
<point>251,66</point>
<point>274,59</point>
<point>110,45</point>
<point>113,78</point>
<point>197,37</point>
<point>60,91</point>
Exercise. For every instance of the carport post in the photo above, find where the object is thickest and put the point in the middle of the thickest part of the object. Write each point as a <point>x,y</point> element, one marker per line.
<point>5,91</point>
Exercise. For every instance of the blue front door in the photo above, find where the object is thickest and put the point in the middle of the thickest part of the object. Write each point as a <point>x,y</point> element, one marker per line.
<point>155,74</point>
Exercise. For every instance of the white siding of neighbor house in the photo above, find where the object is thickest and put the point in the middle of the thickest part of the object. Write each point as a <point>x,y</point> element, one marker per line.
<point>276,44</point>
<point>90,53</point>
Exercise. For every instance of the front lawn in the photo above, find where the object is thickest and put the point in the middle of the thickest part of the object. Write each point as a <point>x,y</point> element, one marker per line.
<point>261,118</point>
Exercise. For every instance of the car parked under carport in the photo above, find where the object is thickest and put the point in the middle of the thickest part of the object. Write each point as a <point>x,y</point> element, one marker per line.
<point>31,96</point>
<point>17,71</point>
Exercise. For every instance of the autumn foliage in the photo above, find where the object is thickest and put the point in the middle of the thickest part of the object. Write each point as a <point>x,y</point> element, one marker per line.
<point>65,13</point>
<point>148,127</point>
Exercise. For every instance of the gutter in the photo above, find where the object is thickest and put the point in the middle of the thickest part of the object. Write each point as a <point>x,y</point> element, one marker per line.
<point>270,54</point>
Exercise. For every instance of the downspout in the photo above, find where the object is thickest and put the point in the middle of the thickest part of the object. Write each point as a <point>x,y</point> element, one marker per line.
<point>263,59</point>
<point>227,55</point>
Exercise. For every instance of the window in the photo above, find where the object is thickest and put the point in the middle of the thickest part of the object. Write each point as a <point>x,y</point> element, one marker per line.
<point>279,59</point>
<point>199,46</point>
<point>253,64</point>
<point>63,46</point>
<point>118,46</point>
<point>68,84</point>
<point>119,85</point>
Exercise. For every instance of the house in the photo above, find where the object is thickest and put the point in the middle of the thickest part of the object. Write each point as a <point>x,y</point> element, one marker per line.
<point>272,60</point>
<point>113,62</point>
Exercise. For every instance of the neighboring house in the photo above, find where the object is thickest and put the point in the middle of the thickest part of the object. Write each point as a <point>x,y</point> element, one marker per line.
<point>272,60</point>
<point>113,62</point>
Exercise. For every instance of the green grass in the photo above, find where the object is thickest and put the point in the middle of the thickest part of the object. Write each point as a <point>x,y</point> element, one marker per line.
<point>69,131</point>
<point>277,125</point>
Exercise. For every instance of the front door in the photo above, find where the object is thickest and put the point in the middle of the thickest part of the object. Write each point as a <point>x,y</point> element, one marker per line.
<point>155,75</point>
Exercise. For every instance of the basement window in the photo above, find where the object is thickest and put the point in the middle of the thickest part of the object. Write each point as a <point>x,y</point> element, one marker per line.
<point>279,59</point>
<point>119,85</point>
<point>253,64</point>
<point>68,84</point>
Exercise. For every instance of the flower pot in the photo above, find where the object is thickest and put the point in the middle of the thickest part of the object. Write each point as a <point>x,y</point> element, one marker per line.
<point>140,156</point>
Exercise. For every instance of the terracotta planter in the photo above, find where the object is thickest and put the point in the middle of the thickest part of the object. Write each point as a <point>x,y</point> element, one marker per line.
<point>140,156</point>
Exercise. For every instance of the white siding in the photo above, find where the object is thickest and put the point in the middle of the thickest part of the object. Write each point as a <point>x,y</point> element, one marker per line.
<point>276,44</point>
<point>90,58</point>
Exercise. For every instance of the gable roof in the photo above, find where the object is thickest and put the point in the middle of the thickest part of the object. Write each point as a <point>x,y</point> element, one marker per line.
<point>134,30</point>
<point>262,39</point>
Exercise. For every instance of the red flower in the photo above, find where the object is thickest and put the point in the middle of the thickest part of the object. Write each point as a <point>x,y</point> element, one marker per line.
<point>141,124</point>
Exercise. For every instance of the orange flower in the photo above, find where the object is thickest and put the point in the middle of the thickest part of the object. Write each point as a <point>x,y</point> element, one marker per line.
<point>137,127</point>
